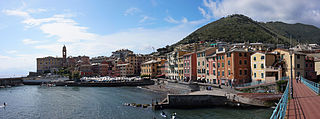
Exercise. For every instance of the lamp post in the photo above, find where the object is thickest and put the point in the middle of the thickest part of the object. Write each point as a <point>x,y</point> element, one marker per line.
<point>291,75</point>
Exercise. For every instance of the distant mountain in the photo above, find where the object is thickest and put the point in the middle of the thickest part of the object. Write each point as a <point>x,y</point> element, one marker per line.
<point>240,28</point>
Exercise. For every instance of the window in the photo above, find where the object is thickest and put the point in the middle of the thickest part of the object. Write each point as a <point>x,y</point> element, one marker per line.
<point>240,54</point>
<point>254,58</point>
<point>222,73</point>
<point>262,57</point>
<point>255,75</point>
<point>306,65</point>
<point>262,66</point>
<point>298,56</point>
<point>207,72</point>
<point>214,72</point>
<point>218,65</point>
<point>240,72</point>
<point>204,71</point>
<point>310,65</point>
<point>254,66</point>
<point>298,65</point>
<point>218,73</point>
<point>245,54</point>
<point>202,63</point>
<point>245,61</point>
<point>245,72</point>
<point>222,64</point>
<point>228,54</point>
<point>228,62</point>
<point>262,75</point>
<point>240,62</point>
<point>207,65</point>
<point>214,65</point>
<point>198,63</point>
<point>222,57</point>
<point>229,72</point>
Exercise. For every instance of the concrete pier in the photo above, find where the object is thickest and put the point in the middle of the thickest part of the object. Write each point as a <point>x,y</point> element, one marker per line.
<point>10,81</point>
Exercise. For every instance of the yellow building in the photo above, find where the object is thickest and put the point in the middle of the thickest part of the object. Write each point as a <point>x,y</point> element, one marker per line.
<point>298,62</point>
<point>180,68</point>
<point>265,67</point>
<point>150,68</point>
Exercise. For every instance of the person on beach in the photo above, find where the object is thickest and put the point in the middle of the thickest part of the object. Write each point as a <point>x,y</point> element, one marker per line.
<point>4,104</point>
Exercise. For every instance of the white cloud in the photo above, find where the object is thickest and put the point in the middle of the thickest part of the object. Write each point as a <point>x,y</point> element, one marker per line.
<point>37,10</point>
<point>29,41</point>
<point>145,18</point>
<point>291,11</point>
<point>16,13</point>
<point>171,20</point>
<point>131,11</point>
<point>11,52</point>
<point>67,32</point>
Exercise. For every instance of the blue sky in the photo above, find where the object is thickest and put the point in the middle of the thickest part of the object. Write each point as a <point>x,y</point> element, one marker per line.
<point>39,28</point>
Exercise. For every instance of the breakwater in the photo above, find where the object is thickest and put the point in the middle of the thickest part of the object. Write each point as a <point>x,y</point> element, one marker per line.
<point>10,81</point>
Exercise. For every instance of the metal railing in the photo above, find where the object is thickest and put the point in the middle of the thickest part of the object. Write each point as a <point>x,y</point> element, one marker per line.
<point>312,85</point>
<point>280,111</point>
<point>258,83</point>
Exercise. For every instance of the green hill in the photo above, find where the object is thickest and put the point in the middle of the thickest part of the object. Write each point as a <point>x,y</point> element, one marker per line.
<point>240,28</point>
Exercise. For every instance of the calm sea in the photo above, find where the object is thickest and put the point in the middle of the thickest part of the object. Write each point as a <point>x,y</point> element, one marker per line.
<point>34,102</point>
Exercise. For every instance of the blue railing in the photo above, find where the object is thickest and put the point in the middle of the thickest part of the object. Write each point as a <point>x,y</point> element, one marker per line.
<point>280,111</point>
<point>312,85</point>
<point>257,83</point>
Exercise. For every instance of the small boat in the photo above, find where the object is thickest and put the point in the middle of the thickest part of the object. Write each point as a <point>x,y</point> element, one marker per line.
<point>174,115</point>
<point>163,114</point>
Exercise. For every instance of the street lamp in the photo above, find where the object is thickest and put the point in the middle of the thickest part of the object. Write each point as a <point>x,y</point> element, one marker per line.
<point>291,74</point>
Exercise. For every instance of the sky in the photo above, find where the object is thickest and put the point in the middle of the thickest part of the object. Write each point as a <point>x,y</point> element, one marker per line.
<point>30,29</point>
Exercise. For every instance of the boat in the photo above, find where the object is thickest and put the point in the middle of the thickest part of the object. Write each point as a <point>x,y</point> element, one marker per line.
<point>174,115</point>
<point>163,114</point>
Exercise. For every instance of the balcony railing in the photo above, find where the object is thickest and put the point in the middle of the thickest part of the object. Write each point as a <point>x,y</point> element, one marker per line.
<point>312,85</point>
<point>280,111</point>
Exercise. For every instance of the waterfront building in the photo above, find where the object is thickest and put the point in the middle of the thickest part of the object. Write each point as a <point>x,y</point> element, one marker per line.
<point>233,66</point>
<point>49,64</point>
<point>52,64</point>
<point>125,70</point>
<point>121,54</point>
<point>172,59</point>
<point>266,67</point>
<point>211,72</point>
<point>298,62</point>
<point>86,69</point>
<point>100,59</point>
<point>190,67</point>
<point>150,68</point>
<point>101,69</point>
<point>180,68</point>
<point>202,63</point>
<point>136,60</point>
<point>310,72</point>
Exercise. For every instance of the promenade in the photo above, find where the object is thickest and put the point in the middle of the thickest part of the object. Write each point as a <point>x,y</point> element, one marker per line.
<point>305,104</point>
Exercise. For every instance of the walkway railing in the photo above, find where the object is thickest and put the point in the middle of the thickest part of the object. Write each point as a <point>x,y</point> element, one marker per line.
<point>312,85</point>
<point>280,111</point>
<point>258,83</point>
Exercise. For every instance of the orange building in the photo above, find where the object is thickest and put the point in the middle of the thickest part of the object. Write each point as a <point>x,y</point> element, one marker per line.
<point>233,67</point>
